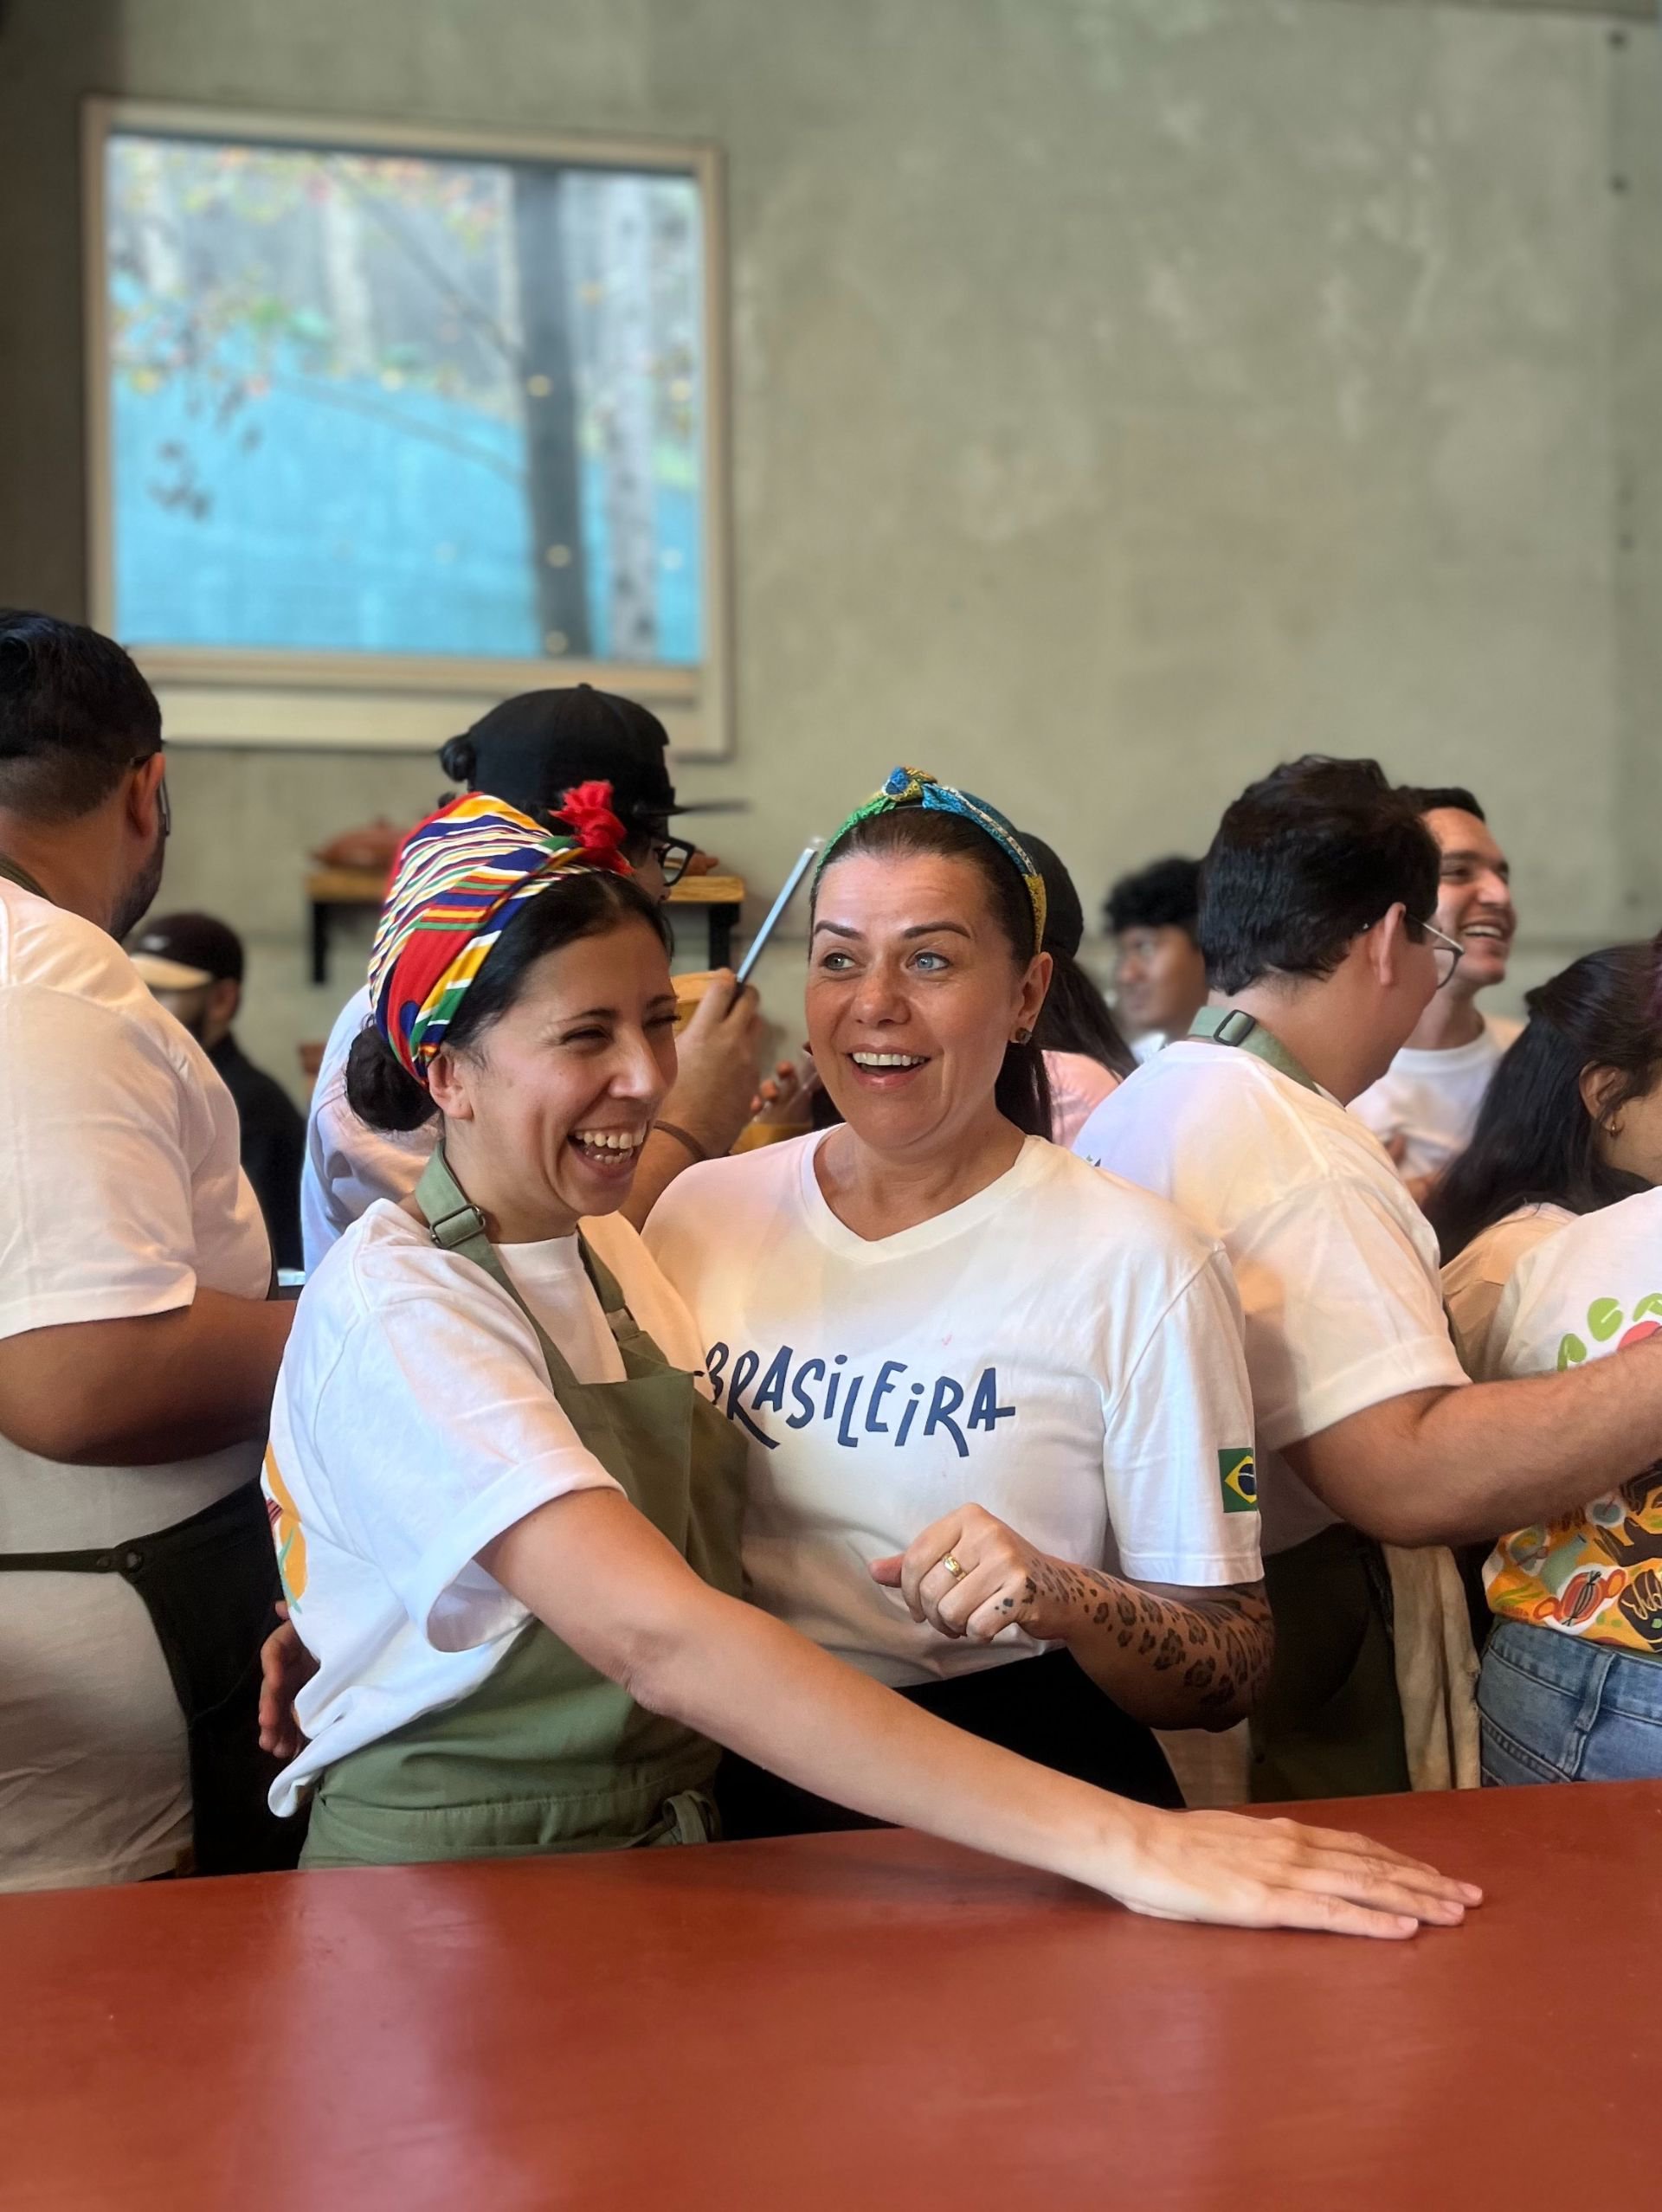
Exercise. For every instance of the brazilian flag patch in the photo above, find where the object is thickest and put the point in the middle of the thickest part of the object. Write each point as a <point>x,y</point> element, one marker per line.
<point>1238,1472</point>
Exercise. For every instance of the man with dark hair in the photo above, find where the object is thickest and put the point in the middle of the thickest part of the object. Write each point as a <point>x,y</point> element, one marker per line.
<point>1315,908</point>
<point>194,964</point>
<point>532,750</point>
<point>1153,915</point>
<point>138,1353</point>
<point>1424,1109</point>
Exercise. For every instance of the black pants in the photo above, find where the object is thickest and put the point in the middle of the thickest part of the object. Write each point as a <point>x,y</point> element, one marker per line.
<point>1047,1708</point>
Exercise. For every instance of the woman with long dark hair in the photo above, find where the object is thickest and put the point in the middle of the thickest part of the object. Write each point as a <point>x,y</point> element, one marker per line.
<point>995,1400</point>
<point>1556,1137</point>
<point>1554,1223</point>
<point>1086,1057</point>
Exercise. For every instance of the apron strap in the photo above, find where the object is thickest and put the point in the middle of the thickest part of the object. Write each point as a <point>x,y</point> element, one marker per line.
<point>456,1224</point>
<point>1232,1025</point>
<point>20,877</point>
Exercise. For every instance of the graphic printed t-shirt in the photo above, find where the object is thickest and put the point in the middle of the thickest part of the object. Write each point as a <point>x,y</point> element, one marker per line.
<point>1059,1349</point>
<point>348,1165</point>
<point>1335,1265</point>
<point>1594,1288</point>
<point>1432,1100</point>
<point>119,1160</point>
<point>414,1423</point>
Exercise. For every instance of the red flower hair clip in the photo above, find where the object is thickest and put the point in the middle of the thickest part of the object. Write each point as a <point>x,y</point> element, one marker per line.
<point>586,811</point>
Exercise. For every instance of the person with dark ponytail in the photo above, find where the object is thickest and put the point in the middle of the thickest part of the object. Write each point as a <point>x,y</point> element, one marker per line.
<point>530,751</point>
<point>507,1510</point>
<point>996,1402</point>
<point>1086,1057</point>
<point>1565,1128</point>
<point>1552,1223</point>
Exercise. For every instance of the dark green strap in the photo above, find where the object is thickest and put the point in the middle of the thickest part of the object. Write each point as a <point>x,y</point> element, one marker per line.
<point>20,877</point>
<point>1231,1026</point>
<point>456,1224</point>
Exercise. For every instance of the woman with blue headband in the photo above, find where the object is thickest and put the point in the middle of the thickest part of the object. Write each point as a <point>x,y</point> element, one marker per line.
<point>506,1509</point>
<point>996,1403</point>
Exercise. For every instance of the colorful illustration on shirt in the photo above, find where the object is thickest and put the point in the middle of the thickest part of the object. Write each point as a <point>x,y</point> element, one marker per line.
<point>1238,1472</point>
<point>286,1531</point>
<point>1595,1572</point>
<point>824,1390</point>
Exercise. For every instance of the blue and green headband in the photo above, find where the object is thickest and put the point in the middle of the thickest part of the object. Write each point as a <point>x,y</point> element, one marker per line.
<point>910,787</point>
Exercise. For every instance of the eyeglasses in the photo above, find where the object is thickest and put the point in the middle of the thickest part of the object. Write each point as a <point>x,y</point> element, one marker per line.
<point>675,856</point>
<point>1449,954</point>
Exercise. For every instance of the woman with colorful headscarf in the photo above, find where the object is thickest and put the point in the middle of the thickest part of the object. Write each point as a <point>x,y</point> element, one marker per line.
<point>507,1516</point>
<point>996,1402</point>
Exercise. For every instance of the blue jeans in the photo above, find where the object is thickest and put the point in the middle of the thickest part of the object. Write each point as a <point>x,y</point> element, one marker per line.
<point>1557,1708</point>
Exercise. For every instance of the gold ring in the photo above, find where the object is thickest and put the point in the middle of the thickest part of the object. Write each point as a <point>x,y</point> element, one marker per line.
<point>952,1567</point>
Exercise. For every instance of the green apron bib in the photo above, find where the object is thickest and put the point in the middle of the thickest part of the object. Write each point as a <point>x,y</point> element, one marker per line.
<point>1329,1724</point>
<point>547,1754</point>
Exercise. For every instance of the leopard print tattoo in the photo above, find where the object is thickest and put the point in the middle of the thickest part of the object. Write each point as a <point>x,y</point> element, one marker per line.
<point>1222,1645</point>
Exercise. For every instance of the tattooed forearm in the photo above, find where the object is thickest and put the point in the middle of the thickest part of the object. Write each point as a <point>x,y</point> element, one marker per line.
<point>1173,1662</point>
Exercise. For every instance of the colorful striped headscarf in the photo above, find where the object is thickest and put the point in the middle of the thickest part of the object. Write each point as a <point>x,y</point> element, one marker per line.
<point>460,877</point>
<point>910,787</point>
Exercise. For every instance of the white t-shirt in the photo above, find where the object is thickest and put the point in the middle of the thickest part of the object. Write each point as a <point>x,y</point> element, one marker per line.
<point>348,1164</point>
<point>1144,1047</point>
<point>1078,1086</point>
<point>1477,1284</point>
<point>414,1423</point>
<point>118,1159</point>
<point>1432,1100</point>
<point>1336,1266</point>
<point>1058,1349</point>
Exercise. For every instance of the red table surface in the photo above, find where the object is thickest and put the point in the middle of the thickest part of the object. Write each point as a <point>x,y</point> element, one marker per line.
<point>841,2022</point>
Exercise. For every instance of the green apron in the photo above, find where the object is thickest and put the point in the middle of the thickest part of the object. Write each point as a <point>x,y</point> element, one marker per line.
<point>1329,1724</point>
<point>547,1754</point>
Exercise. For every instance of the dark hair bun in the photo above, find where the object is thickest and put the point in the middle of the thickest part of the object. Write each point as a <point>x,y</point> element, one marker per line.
<point>458,757</point>
<point>380,1091</point>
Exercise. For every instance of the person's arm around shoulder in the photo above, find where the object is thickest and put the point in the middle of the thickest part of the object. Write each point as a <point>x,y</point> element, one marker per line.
<point>718,1074</point>
<point>111,1352</point>
<point>599,1575</point>
<point>1464,1466</point>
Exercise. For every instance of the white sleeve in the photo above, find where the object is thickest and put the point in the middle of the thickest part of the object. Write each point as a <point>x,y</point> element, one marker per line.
<point>98,1222</point>
<point>1177,1460</point>
<point>352,1166</point>
<point>442,1414</point>
<point>1340,1311</point>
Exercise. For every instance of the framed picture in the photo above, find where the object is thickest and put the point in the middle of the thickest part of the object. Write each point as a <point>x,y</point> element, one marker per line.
<point>387,426</point>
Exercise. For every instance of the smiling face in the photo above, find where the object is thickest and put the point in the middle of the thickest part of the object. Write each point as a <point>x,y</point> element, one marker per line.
<point>914,995</point>
<point>545,1112</point>
<point>1474,897</point>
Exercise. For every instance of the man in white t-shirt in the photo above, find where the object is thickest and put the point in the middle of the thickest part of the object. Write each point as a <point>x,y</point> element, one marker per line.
<point>531,750</point>
<point>138,1353</point>
<point>1424,1109</point>
<point>1315,919</point>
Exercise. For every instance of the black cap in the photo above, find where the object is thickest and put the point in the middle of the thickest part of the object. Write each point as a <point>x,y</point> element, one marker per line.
<point>1064,915</point>
<point>533,750</point>
<point>182,951</point>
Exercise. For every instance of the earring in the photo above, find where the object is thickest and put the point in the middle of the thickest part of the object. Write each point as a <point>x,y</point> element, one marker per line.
<point>1023,1036</point>
<point>1613,1127</point>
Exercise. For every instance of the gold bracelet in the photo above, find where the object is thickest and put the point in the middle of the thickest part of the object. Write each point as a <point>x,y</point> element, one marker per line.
<point>681,1136</point>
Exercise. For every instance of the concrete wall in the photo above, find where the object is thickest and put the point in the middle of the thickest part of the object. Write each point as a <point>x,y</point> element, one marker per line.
<point>1128,393</point>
